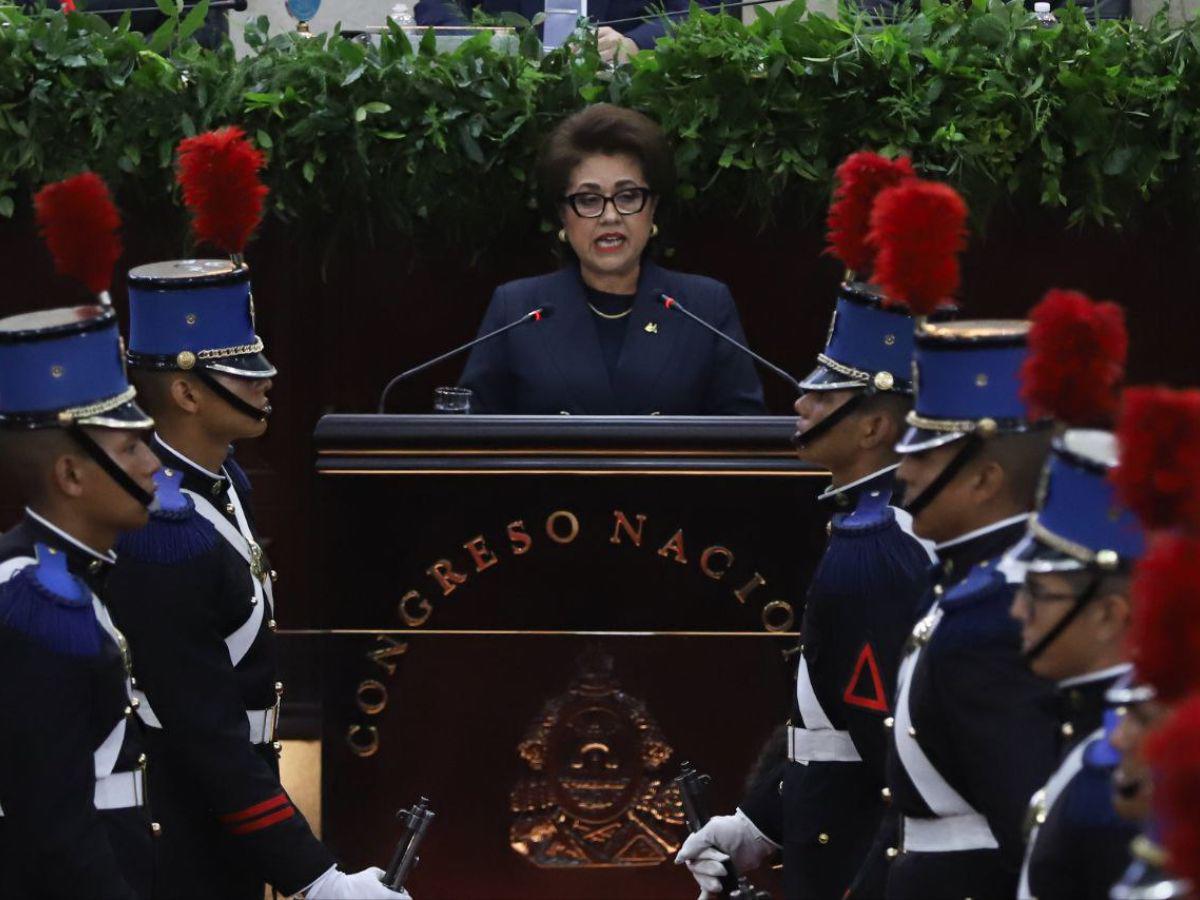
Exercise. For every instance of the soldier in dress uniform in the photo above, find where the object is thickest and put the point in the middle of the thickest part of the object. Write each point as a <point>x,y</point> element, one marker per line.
<point>1134,711</point>
<point>823,804</point>
<point>194,594</point>
<point>72,773</point>
<point>1157,730</point>
<point>974,732</point>
<point>1074,611</point>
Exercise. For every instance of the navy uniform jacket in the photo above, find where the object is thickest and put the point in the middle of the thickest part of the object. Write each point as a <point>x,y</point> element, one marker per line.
<point>859,611</point>
<point>644,34</point>
<point>967,702</point>
<point>66,718</point>
<point>201,630</point>
<point>975,732</point>
<point>1078,845</point>
<point>668,364</point>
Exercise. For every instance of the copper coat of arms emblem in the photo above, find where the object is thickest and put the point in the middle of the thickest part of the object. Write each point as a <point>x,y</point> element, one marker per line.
<point>594,796</point>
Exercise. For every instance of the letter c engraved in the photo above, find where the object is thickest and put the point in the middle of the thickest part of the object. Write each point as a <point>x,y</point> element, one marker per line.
<point>706,566</point>
<point>363,740</point>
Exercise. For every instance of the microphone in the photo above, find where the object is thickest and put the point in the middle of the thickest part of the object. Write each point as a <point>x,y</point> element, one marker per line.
<point>672,303</point>
<point>544,311</point>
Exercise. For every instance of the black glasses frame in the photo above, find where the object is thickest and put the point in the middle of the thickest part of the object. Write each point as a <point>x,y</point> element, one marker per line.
<point>572,200</point>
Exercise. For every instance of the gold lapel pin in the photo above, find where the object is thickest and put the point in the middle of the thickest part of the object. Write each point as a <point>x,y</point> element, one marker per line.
<point>651,328</point>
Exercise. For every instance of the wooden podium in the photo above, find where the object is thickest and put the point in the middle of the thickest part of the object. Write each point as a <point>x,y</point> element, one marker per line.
<point>534,620</point>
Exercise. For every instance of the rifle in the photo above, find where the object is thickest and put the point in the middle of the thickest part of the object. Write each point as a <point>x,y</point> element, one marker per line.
<point>693,787</point>
<point>416,822</point>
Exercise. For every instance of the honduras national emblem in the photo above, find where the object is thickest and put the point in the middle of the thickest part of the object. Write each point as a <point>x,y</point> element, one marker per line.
<point>594,796</point>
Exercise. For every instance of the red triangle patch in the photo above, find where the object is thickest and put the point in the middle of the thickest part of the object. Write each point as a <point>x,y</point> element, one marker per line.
<point>877,701</point>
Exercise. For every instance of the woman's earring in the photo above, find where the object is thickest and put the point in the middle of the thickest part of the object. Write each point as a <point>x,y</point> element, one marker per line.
<point>654,230</point>
<point>562,235</point>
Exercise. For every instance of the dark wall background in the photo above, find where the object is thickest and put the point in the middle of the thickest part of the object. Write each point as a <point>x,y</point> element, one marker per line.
<point>339,323</point>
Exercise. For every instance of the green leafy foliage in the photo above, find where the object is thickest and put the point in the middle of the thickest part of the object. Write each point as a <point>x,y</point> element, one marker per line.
<point>1096,122</point>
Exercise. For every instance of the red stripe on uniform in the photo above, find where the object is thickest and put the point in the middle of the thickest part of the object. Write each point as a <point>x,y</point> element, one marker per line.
<point>266,821</point>
<point>257,809</point>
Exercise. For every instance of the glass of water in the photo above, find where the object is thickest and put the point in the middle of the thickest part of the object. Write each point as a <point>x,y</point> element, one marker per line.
<point>452,400</point>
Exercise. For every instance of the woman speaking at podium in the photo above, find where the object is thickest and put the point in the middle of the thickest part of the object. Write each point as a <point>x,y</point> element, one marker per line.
<point>610,347</point>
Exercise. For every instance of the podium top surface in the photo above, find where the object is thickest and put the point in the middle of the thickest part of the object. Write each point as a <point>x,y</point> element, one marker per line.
<point>476,444</point>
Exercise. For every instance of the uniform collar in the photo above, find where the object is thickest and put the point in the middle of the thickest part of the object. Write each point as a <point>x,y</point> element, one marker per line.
<point>1081,702</point>
<point>89,564</point>
<point>957,556</point>
<point>195,476</point>
<point>844,497</point>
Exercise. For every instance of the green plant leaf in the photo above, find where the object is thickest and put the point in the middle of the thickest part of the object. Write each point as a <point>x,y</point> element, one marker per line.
<point>193,20</point>
<point>1092,123</point>
<point>163,35</point>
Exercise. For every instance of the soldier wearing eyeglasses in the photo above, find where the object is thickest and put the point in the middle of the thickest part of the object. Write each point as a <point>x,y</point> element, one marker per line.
<point>1074,612</point>
<point>611,347</point>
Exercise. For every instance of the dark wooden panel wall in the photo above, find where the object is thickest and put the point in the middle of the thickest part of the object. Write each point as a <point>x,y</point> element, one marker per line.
<point>339,324</point>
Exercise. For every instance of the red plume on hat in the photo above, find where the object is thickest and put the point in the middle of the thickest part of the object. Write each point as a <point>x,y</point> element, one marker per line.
<point>1077,352</point>
<point>79,222</point>
<point>860,178</point>
<point>918,229</point>
<point>218,172</point>
<point>1158,434</point>
<point>1174,751</point>
<point>1165,629</point>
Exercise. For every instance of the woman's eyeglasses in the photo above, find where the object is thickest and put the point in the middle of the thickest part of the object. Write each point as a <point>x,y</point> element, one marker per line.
<point>628,202</point>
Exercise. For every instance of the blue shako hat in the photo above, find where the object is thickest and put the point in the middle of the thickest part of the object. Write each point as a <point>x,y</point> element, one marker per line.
<point>65,367</point>
<point>1079,522</point>
<point>195,314</point>
<point>869,345</point>
<point>966,379</point>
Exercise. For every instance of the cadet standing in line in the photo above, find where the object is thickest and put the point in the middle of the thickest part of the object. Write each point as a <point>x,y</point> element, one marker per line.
<point>1158,729</point>
<point>1074,608</point>
<point>72,774</point>
<point>974,732</point>
<point>193,590</point>
<point>823,805</point>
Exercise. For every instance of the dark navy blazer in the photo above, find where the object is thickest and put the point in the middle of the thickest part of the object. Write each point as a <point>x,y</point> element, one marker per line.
<point>668,364</point>
<point>644,34</point>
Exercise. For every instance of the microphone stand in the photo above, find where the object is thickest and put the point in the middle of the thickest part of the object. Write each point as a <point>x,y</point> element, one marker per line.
<point>535,315</point>
<point>672,303</point>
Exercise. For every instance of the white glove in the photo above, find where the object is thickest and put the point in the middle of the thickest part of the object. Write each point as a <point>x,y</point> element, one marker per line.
<point>365,885</point>
<point>733,838</point>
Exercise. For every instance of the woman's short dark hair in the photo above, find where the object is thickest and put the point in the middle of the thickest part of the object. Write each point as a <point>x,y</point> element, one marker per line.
<point>607,129</point>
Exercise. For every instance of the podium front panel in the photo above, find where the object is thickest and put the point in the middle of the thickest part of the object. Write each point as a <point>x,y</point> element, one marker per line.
<point>534,623</point>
